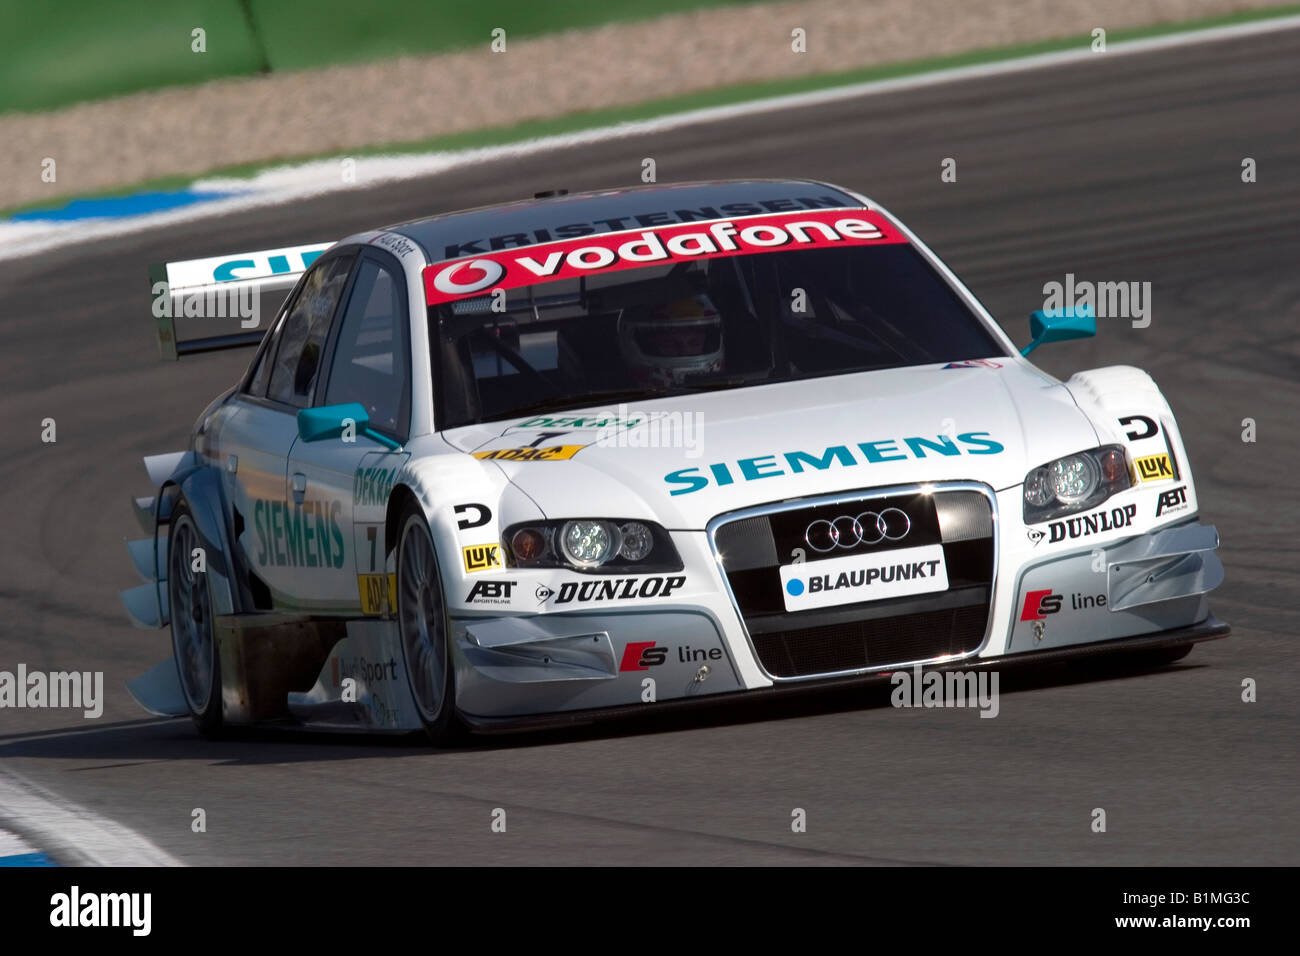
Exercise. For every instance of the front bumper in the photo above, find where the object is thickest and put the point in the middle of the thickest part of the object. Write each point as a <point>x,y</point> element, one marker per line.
<point>1155,582</point>
<point>1208,630</point>
<point>522,666</point>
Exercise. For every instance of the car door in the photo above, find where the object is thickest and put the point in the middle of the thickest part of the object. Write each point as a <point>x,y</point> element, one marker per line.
<point>286,543</point>
<point>368,363</point>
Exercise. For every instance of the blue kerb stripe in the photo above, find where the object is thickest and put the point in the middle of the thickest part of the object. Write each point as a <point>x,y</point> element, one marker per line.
<point>118,207</point>
<point>27,859</point>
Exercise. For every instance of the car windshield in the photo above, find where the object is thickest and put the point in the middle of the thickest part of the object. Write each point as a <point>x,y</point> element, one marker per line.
<point>705,324</point>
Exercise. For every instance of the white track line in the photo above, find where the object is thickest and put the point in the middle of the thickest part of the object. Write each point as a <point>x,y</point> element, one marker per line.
<point>13,845</point>
<point>288,183</point>
<point>71,834</point>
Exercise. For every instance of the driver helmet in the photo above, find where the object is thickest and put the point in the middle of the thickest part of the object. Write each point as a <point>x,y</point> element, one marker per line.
<point>666,344</point>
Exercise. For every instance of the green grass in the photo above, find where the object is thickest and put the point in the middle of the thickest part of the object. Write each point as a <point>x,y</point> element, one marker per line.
<point>59,52</point>
<point>591,119</point>
<point>53,54</point>
<point>355,31</point>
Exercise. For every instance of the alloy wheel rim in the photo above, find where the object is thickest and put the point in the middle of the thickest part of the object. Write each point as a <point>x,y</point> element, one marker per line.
<point>421,621</point>
<point>190,611</point>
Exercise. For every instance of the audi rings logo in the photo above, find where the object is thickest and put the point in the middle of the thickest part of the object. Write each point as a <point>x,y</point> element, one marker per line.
<point>471,275</point>
<point>869,527</point>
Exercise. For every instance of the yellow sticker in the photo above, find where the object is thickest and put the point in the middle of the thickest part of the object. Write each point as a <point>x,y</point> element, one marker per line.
<point>377,595</point>
<point>481,557</point>
<point>1154,468</point>
<point>548,453</point>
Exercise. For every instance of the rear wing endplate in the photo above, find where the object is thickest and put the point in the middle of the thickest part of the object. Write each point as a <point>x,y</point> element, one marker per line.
<point>223,301</point>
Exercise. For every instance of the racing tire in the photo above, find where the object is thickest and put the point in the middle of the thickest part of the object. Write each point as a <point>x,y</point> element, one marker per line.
<point>424,631</point>
<point>194,642</point>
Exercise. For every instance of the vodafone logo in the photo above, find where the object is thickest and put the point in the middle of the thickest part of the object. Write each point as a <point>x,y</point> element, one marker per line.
<point>467,276</point>
<point>637,249</point>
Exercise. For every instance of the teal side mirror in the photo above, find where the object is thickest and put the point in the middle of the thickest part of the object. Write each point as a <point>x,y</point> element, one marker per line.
<point>331,421</point>
<point>1057,325</point>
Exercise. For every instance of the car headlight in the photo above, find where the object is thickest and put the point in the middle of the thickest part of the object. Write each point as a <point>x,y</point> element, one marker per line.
<point>588,543</point>
<point>1075,483</point>
<point>591,544</point>
<point>1073,479</point>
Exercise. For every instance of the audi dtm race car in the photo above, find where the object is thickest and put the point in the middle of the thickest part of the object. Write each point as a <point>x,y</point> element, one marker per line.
<point>588,454</point>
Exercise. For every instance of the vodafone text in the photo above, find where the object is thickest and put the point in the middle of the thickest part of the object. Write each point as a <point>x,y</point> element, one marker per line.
<point>666,245</point>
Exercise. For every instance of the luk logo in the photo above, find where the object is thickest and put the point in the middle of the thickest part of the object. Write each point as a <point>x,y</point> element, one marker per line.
<point>1175,499</point>
<point>642,655</point>
<point>481,557</point>
<point>468,276</point>
<point>1039,604</point>
<point>1154,468</point>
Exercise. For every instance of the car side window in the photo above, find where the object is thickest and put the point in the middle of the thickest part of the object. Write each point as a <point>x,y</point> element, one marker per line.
<point>370,363</point>
<point>303,333</point>
<point>257,381</point>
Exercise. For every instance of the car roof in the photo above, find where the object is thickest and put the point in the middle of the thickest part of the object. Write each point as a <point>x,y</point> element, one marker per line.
<point>527,222</point>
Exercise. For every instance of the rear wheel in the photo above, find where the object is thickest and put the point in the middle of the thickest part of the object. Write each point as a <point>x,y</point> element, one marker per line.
<point>422,625</point>
<point>194,644</point>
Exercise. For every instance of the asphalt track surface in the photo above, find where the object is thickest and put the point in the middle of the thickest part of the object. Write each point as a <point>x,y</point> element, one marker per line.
<point>1114,169</point>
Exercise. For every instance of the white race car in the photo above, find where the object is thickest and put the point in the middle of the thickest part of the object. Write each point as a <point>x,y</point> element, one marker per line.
<point>591,454</point>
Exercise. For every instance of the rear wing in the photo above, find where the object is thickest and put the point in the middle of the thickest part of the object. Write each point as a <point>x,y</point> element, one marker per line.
<point>223,301</point>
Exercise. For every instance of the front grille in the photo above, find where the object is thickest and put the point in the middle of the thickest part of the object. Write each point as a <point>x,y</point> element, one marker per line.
<point>754,545</point>
<point>855,645</point>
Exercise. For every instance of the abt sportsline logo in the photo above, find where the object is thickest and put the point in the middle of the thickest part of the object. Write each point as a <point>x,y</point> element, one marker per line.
<point>662,245</point>
<point>1175,499</point>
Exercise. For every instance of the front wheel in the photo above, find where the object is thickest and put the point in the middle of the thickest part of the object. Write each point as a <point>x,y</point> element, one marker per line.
<point>194,643</point>
<point>422,624</point>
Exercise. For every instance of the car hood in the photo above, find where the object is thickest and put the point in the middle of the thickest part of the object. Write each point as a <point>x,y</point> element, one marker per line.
<point>683,460</point>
